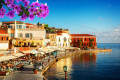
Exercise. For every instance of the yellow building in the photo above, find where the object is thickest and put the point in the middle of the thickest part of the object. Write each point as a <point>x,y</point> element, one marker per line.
<point>25,34</point>
<point>52,37</point>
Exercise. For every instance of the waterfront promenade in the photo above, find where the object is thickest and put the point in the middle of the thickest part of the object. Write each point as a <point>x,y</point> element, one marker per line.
<point>28,74</point>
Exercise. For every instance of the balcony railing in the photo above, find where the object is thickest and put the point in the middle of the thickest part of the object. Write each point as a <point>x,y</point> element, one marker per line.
<point>34,38</point>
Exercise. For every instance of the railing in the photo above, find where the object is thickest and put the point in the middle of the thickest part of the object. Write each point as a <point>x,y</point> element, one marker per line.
<point>34,38</point>
<point>4,41</point>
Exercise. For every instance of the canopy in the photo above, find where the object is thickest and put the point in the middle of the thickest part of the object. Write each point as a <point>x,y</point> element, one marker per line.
<point>30,51</point>
<point>4,58</point>
<point>18,54</point>
<point>46,50</point>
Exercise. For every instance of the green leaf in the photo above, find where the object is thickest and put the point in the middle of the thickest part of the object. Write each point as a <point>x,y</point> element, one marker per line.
<point>2,1</point>
<point>27,13</point>
<point>20,14</point>
<point>28,6</point>
<point>0,6</point>
<point>34,13</point>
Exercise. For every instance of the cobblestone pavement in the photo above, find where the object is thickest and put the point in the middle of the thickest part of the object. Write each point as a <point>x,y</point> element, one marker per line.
<point>26,74</point>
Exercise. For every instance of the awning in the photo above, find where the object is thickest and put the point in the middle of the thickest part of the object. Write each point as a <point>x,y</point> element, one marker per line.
<point>5,58</point>
<point>18,54</point>
<point>46,50</point>
<point>30,51</point>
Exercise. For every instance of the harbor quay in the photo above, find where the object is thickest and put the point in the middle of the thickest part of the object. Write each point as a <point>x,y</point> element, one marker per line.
<point>28,50</point>
<point>27,72</point>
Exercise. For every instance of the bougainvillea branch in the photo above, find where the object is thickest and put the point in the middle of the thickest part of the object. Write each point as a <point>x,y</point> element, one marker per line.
<point>25,10</point>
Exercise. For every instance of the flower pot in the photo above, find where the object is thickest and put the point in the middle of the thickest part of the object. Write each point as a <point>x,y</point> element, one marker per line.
<point>36,71</point>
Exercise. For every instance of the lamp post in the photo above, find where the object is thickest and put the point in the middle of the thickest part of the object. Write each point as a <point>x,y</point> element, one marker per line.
<point>65,70</point>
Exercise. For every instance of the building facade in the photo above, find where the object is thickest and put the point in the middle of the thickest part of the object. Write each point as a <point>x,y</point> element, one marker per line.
<point>83,40</point>
<point>24,34</point>
<point>4,39</point>
<point>63,37</point>
<point>53,39</point>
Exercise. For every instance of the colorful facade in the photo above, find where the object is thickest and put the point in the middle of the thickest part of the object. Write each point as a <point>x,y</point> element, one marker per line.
<point>63,37</point>
<point>24,34</point>
<point>83,40</point>
<point>53,39</point>
<point>4,39</point>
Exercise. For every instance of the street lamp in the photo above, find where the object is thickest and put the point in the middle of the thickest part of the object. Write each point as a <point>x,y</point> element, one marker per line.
<point>65,70</point>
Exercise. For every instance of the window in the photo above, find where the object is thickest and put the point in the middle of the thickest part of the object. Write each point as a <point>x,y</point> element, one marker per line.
<point>78,40</point>
<point>2,38</point>
<point>65,39</point>
<point>30,35</point>
<point>85,39</point>
<point>17,27</point>
<point>19,42</point>
<point>74,39</point>
<point>59,39</point>
<point>20,26</point>
<point>27,35</point>
<point>12,35</point>
<point>6,38</point>
<point>20,35</point>
<point>9,26</point>
<point>24,26</point>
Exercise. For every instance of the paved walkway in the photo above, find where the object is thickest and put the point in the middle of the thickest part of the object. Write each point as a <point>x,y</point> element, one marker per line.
<point>26,74</point>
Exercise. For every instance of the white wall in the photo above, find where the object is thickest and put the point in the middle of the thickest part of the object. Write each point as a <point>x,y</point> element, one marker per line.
<point>3,46</point>
<point>62,39</point>
<point>35,33</point>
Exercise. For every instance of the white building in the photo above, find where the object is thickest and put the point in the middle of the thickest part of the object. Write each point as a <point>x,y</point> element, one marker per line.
<point>63,38</point>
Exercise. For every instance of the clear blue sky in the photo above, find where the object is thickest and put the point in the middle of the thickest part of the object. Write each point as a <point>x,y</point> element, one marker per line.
<point>82,16</point>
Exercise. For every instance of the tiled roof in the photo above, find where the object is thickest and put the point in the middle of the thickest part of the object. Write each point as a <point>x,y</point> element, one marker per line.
<point>29,24</point>
<point>81,35</point>
<point>12,22</point>
<point>3,32</point>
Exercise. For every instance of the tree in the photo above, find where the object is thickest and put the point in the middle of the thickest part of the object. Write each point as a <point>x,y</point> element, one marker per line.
<point>38,24</point>
<point>49,29</point>
<point>90,44</point>
<point>80,43</point>
<point>24,9</point>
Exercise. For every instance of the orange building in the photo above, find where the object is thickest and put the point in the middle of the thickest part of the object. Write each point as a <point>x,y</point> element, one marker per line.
<point>87,40</point>
<point>4,39</point>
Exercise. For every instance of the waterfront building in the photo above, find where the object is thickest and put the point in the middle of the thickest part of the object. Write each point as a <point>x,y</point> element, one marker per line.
<point>4,39</point>
<point>83,40</point>
<point>63,37</point>
<point>52,37</point>
<point>24,34</point>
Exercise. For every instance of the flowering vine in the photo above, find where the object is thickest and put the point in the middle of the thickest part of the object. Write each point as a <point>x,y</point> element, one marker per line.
<point>25,10</point>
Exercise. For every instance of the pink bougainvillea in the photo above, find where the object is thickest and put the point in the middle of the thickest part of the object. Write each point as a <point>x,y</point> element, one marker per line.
<point>25,10</point>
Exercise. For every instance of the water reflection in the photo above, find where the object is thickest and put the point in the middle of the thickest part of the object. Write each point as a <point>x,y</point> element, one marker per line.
<point>82,60</point>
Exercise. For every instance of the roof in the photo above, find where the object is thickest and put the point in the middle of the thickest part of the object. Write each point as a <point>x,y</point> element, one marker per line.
<point>81,35</point>
<point>3,32</point>
<point>29,24</point>
<point>12,22</point>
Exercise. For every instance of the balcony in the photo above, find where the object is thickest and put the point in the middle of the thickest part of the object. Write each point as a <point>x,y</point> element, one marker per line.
<point>34,38</point>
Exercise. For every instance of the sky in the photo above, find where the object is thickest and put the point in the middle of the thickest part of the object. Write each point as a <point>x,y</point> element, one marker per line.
<point>97,17</point>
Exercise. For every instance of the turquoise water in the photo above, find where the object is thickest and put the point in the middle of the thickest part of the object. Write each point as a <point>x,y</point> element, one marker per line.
<point>89,66</point>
